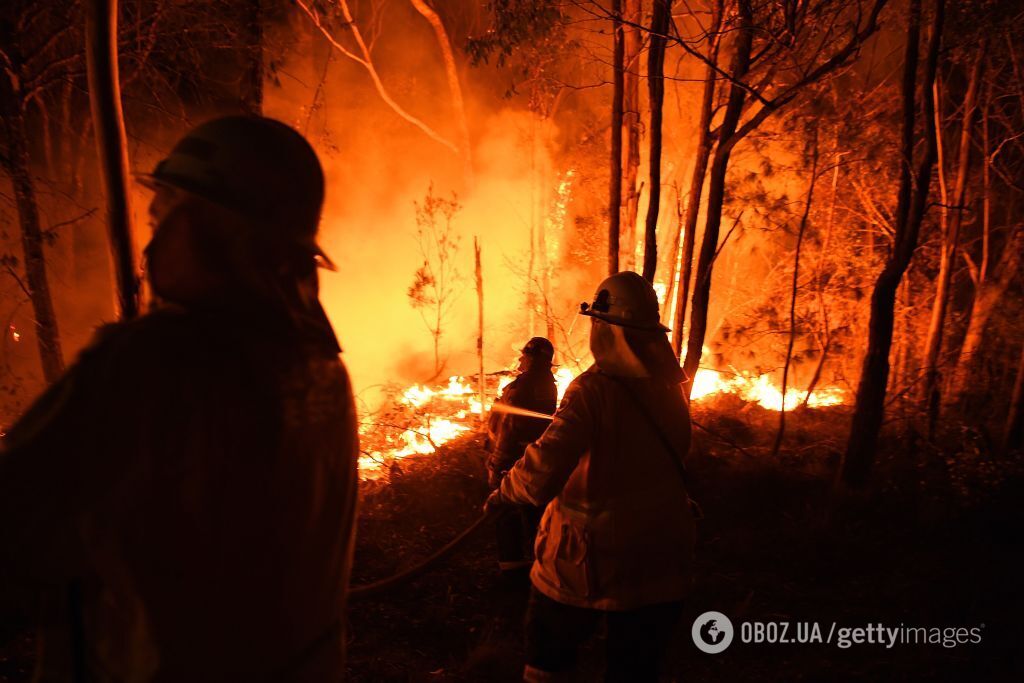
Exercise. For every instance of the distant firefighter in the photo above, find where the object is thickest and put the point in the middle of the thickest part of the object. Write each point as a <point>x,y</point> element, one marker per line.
<point>616,539</point>
<point>192,477</point>
<point>509,435</point>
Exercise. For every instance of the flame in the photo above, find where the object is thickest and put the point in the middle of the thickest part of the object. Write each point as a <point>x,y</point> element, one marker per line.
<point>436,416</point>
<point>661,290</point>
<point>563,377</point>
<point>761,389</point>
<point>15,335</point>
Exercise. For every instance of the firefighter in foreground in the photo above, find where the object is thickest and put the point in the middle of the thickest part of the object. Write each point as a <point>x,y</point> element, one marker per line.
<point>616,539</point>
<point>509,435</point>
<point>192,477</point>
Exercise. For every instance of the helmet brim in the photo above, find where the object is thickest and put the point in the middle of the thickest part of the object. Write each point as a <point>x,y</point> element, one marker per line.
<point>586,310</point>
<point>154,182</point>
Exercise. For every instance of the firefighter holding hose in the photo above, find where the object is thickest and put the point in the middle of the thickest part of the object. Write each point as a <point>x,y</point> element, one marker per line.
<point>508,435</point>
<point>616,539</point>
<point>192,477</point>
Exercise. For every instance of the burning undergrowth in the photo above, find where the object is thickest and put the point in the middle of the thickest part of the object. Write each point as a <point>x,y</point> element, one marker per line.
<point>417,420</point>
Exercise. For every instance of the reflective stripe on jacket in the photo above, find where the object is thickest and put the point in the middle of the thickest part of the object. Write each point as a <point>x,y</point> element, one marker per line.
<point>618,533</point>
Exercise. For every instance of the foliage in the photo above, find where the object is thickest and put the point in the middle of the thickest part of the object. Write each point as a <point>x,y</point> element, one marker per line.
<point>437,282</point>
<point>517,24</point>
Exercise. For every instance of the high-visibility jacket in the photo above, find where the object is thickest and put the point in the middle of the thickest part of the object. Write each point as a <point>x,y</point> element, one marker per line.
<point>193,475</point>
<point>618,531</point>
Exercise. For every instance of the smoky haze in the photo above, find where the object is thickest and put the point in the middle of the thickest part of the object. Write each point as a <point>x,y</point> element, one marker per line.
<point>379,165</point>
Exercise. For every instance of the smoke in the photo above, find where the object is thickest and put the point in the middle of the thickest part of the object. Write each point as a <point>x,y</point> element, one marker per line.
<point>378,166</point>
<point>374,244</point>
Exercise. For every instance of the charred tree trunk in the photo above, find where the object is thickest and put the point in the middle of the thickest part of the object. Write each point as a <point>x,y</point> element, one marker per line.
<point>108,124</point>
<point>700,168</point>
<point>716,195</point>
<point>673,276</point>
<point>615,184</point>
<point>780,434</point>
<point>632,44</point>
<point>36,283</point>
<point>656,88</point>
<point>990,284</point>
<point>478,271</point>
<point>911,203</point>
<point>987,296</point>
<point>1014,429</point>
<point>252,85</point>
<point>950,244</point>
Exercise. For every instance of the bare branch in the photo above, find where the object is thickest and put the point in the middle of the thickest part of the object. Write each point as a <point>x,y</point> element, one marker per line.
<point>366,61</point>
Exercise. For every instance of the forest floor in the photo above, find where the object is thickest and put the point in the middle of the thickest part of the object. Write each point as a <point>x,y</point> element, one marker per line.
<point>937,546</point>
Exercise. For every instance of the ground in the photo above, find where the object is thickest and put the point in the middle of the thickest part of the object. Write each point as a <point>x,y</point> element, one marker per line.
<point>777,544</point>
<point>938,545</point>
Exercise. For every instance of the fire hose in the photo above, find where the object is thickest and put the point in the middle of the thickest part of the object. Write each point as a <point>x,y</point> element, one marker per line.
<point>376,587</point>
<point>370,589</point>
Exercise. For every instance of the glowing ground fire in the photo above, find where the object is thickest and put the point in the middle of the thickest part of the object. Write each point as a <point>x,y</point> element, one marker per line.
<point>438,415</point>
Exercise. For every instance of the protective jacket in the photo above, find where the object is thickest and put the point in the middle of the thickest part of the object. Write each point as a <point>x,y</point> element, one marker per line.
<point>194,476</point>
<point>510,434</point>
<point>617,532</point>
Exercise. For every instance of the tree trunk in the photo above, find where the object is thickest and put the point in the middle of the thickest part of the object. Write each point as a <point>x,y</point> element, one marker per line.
<point>700,167</point>
<point>1013,430</point>
<point>656,88</point>
<point>669,308</point>
<point>111,144</point>
<point>911,203</point>
<point>716,196</point>
<point>987,296</point>
<point>825,338</point>
<point>792,297</point>
<point>950,244</point>
<point>454,87</point>
<point>36,283</point>
<point>481,384</point>
<point>531,300</point>
<point>615,184</point>
<point>633,43</point>
<point>252,83</point>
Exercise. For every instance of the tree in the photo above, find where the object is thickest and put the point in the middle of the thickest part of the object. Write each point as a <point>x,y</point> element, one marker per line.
<point>27,67</point>
<point>950,233</point>
<point>993,256</point>
<point>451,72</point>
<point>361,55</point>
<point>794,289</point>
<point>911,204</point>
<point>111,144</point>
<point>615,165</point>
<point>632,46</point>
<point>436,283</point>
<point>253,74</point>
<point>660,18</point>
<point>799,42</point>
<point>702,154</point>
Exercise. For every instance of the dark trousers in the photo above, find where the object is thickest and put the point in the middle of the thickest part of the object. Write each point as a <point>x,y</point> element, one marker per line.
<point>636,639</point>
<point>516,532</point>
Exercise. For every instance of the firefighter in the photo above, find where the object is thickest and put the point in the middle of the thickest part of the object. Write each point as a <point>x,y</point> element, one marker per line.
<point>508,436</point>
<point>189,485</point>
<point>616,539</point>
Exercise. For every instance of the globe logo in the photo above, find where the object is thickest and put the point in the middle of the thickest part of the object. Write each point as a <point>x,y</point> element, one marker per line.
<point>712,632</point>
